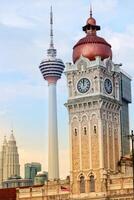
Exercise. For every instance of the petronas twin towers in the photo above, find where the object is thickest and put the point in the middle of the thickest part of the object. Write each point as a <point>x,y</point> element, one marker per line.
<point>9,159</point>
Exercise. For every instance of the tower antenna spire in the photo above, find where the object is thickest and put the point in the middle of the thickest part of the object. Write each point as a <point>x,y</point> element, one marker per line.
<point>51,28</point>
<point>91,10</point>
<point>51,52</point>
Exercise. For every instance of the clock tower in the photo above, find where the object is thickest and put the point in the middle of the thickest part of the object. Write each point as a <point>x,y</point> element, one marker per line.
<point>94,113</point>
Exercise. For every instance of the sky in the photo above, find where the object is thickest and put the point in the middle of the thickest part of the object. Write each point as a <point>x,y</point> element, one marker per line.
<point>24,38</point>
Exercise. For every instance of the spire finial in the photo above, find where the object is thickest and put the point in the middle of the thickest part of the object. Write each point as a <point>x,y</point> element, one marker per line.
<point>51,52</point>
<point>51,28</point>
<point>12,136</point>
<point>12,128</point>
<point>90,10</point>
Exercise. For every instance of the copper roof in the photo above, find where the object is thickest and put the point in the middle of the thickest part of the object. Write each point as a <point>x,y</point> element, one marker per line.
<point>92,39</point>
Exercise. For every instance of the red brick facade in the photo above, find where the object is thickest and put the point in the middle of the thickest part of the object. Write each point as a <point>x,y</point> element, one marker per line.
<point>8,194</point>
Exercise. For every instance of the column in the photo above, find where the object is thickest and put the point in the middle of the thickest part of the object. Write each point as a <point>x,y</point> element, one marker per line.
<point>53,160</point>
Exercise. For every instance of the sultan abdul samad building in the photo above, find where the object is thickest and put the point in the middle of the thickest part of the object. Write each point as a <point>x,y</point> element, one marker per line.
<point>99,94</point>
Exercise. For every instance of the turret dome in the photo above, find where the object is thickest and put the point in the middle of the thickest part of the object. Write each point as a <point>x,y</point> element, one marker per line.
<point>91,45</point>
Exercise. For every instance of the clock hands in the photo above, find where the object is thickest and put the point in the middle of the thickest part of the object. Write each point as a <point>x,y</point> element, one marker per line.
<point>83,82</point>
<point>108,86</point>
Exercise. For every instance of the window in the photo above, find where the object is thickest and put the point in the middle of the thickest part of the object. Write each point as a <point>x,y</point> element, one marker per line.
<point>85,130</point>
<point>75,131</point>
<point>82,184</point>
<point>92,184</point>
<point>95,129</point>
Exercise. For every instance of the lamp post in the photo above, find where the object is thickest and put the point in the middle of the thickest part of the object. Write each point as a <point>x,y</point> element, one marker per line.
<point>131,136</point>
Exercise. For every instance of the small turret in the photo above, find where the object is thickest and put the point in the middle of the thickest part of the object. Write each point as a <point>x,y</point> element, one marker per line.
<point>5,141</point>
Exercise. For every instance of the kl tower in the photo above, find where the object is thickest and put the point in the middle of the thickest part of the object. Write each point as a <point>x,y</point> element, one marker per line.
<point>52,69</point>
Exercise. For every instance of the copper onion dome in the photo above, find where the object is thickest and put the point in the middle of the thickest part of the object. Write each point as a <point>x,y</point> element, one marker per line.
<point>91,45</point>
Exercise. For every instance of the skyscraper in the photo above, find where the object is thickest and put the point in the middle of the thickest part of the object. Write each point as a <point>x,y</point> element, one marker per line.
<point>9,159</point>
<point>125,98</point>
<point>31,170</point>
<point>52,69</point>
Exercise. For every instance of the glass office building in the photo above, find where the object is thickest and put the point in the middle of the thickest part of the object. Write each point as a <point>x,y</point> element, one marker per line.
<point>31,170</point>
<point>125,98</point>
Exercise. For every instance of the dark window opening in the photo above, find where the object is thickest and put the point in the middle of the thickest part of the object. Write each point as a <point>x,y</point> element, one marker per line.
<point>82,184</point>
<point>92,184</point>
<point>85,130</point>
<point>75,131</point>
<point>95,129</point>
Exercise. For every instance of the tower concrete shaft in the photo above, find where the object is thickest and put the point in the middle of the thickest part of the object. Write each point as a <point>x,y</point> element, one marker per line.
<point>52,69</point>
<point>53,160</point>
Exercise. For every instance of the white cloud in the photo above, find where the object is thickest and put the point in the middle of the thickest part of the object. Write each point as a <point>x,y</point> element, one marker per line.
<point>22,90</point>
<point>12,15</point>
<point>105,6</point>
<point>122,47</point>
<point>14,20</point>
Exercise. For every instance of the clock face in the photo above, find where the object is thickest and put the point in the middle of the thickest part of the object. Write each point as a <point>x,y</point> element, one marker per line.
<point>83,85</point>
<point>108,85</point>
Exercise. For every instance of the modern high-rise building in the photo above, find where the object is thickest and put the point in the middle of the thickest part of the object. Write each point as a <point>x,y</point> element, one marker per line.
<point>31,170</point>
<point>9,159</point>
<point>125,99</point>
<point>52,69</point>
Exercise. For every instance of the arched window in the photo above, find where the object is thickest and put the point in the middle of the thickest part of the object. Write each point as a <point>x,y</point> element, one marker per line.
<point>82,184</point>
<point>92,183</point>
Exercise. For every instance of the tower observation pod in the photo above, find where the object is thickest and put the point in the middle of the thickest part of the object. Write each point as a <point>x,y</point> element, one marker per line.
<point>52,69</point>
